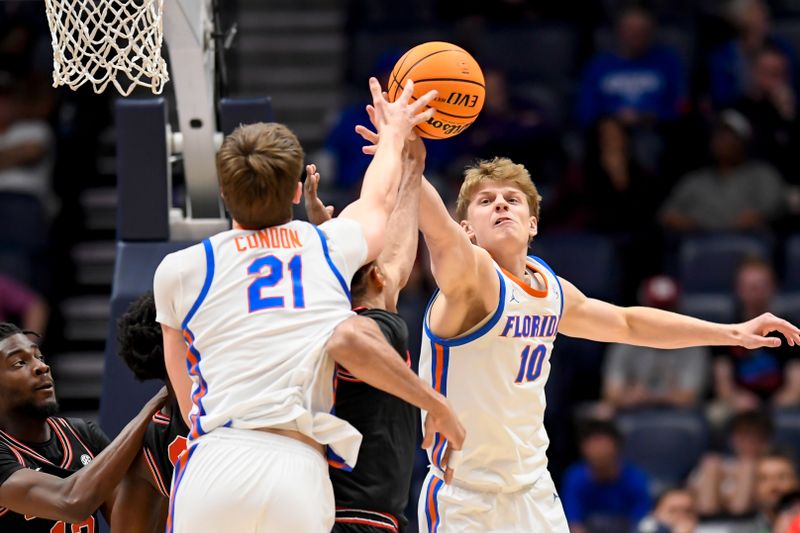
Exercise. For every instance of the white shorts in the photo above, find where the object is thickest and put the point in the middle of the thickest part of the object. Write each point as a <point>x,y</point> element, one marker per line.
<point>450,509</point>
<point>251,482</point>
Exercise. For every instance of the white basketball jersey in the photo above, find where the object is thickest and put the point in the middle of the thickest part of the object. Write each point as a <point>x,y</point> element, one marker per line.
<point>494,377</point>
<point>256,309</point>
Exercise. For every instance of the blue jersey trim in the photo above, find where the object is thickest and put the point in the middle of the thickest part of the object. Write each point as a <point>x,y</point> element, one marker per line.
<point>180,470</point>
<point>194,369</point>
<point>206,284</point>
<point>560,289</point>
<point>335,270</point>
<point>459,341</point>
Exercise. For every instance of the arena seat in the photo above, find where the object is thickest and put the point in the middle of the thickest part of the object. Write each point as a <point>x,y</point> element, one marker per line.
<point>512,49</point>
<point>708,263</point>
<point>713,307</point>
<point>588,261</point>
<point>787,429</point>
<point>666,443</point>
<point>791,272</point>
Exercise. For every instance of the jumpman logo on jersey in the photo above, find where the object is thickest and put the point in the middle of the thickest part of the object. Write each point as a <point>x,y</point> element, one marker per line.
<point>513,296</point>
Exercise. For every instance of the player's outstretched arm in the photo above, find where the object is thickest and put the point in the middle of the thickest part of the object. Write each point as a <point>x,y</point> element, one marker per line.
<point>457,265</point>
<point>402,231</point>
<point>394,122</point>
<point>139,507</point>
<point>358,345</point>
<point>74,498</point>
<point>644,326</point>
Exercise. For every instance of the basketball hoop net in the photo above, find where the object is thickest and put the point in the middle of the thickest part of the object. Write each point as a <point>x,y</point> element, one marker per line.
<point>108,41</point>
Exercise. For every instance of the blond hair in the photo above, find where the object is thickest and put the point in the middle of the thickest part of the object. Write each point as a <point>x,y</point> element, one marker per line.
<point>496,169</point>
<point>259,166</point>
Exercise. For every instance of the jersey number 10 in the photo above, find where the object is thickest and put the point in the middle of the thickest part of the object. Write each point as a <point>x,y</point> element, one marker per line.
<point>268,272</point>
<point>530,366</point>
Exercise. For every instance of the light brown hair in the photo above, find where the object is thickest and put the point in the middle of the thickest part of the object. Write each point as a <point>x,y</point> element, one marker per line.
<point>259,166</point>
<point>497,169</point>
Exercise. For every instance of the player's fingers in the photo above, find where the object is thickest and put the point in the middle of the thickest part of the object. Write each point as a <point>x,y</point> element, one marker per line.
<point>405,96</point>
<point>367,134</point>
<point>423,101</point>
<point>425,116</point>
<point>329,209</point>
<point>427,440</point>
<point>375,91</point>
<point>369,150</point>
<point>371,113</point>
<point>766,342</point>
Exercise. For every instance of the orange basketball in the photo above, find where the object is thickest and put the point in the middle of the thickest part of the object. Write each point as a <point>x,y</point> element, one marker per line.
<point>451,71</point>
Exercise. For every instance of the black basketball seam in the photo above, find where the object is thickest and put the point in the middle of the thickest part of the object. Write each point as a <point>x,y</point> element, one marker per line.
<point>482,86</point>
<point>420,60</point>
<point>394,75</point>
<point>438,111</point>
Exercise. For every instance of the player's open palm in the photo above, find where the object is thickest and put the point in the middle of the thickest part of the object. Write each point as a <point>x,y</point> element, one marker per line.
<point>754,332</point>
<point>445,422</point>
<point>402,114</point>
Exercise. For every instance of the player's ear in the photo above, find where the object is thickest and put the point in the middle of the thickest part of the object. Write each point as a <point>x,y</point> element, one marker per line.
<point>468,228</point>
<point>376,275</point>
<point>298,193</point>
<point>533,228</point>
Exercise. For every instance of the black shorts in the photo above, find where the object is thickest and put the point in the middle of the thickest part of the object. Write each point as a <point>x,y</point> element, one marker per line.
<point>361,521</point>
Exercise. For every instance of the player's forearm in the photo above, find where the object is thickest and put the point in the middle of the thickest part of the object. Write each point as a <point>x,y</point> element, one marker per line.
<point>435,221</point>
<point>645,326</point>
<point>88,487</point>
<point>402,230</point>
<point>358,345</point>
<point>381,181</point>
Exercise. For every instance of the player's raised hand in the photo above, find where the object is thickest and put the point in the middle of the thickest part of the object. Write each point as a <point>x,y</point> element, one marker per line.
<point>316,211</point>
<point>753,332</point>
<point>156,402</point>
<point>401,115</point>
<point>443,420</point>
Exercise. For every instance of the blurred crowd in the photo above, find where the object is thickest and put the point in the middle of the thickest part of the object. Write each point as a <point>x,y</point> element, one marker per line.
<point>664,136</point>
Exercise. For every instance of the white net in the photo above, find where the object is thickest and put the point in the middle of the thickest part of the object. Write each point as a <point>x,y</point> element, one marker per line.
<point>108,41</point>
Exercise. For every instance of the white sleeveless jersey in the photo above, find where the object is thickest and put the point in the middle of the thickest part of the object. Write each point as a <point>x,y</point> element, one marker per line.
<point>256,309</point>
<point>494,377</point>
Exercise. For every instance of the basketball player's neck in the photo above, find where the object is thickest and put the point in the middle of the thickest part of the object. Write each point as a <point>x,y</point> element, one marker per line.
<point>25,428</point>
<point>513,262</point>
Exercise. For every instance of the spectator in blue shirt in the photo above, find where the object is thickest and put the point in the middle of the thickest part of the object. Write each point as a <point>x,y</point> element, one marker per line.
<point>603,492</point>
<point>731,65</point>
<point>639,82</point>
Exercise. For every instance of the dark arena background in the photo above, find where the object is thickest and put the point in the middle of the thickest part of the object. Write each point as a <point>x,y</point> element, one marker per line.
<point>664,137</point>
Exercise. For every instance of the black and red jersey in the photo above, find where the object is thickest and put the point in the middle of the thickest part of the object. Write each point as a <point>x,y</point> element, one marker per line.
<point>164,441</point>
<point>73,443</point>
<point>375,493</point>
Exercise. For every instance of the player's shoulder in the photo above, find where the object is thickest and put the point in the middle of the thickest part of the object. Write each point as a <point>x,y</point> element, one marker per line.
<point>382,316</point>
<point>86,431</point>
<point>174,263</point>
<point>340,227</point>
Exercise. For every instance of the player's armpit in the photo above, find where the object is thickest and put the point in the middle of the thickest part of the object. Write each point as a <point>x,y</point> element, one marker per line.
<point>139,507</point>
